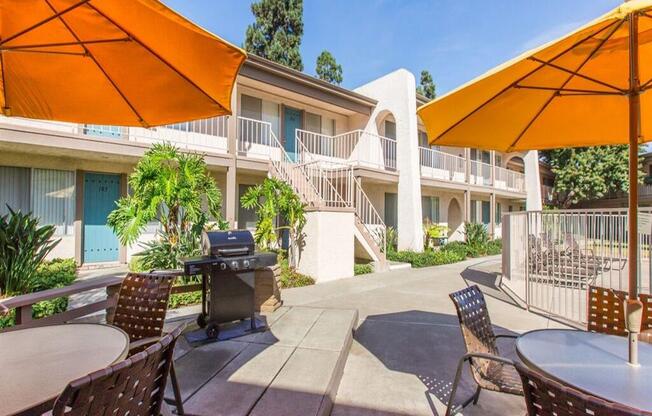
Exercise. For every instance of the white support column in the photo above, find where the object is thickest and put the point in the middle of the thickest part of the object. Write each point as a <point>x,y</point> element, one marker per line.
<point>492,215</point>
<point>467,171</point>
<point>492,157</point>
<point>532,181</point>
<point>231,191</point>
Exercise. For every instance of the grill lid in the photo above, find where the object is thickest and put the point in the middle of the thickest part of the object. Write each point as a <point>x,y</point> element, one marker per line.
<point>228,243</point>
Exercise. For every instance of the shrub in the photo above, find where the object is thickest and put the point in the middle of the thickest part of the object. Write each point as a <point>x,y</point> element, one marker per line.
<point>289,276</point>
<point>136,264</point>
<point>23,246</point>
<point>456,247</point>
<point>49,275</point>
<point>426,258</point>
<point>495,247</point>
<point>362,269</point>
<point>165,252</point>
<point>178,300</point>
<point>476,234</point>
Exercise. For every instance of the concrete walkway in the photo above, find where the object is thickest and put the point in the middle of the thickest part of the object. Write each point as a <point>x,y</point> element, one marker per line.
<point>408,341</point>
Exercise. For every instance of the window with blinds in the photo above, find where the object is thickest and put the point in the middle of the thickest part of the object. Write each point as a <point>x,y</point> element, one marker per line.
<point>391,209</point>
<point>313,122</point>
<point>48,194</point>
<point>430,208</point>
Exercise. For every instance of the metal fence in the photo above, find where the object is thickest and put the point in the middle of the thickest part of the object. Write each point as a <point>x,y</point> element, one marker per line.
<point>551,257</point>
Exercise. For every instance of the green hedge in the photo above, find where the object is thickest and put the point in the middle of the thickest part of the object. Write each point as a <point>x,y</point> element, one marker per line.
<point>452,252</point>
<point>362,269</point>
<point>50,275</point>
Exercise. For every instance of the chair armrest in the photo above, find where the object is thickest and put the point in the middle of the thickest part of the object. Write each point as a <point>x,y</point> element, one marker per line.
<point>141,344</point>
<point>485,356</point>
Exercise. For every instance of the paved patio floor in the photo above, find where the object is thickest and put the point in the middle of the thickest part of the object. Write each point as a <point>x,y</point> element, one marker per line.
<point>408,342</point>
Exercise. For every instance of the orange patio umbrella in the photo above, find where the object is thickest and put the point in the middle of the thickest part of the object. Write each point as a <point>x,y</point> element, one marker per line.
<point>117,62</point>
<point>587,88</point>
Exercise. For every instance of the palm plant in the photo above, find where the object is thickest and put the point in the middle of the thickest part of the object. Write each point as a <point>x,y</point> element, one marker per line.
<point>172,188</point>
<point>271,199</point>
<point>23,246</point>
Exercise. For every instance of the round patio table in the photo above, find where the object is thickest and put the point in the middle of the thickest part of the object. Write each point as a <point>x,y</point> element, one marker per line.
<point>593,363</point>
<point>36,364</point>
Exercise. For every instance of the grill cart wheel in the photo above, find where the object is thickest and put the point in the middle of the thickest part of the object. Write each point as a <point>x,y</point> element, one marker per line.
<point>212,331</point>
<point>201,320</point>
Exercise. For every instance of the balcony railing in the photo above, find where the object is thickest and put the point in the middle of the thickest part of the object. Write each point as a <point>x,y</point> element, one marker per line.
<point>509,180</point>
<point>207,135</point>
<point>480,173</point>
<point>441,165</point>
<point>257,140</point>
<point>358,148</point>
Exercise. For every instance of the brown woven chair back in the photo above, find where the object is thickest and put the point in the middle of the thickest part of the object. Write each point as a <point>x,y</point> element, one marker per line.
<point>135,386</point>
<point>646,323</point>
<point>476,326</point>
<point>545,397</point>
<point>143,303</point>
<point>606,312</point>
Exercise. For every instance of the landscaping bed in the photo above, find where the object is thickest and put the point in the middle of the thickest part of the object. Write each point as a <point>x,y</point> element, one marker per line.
<point>450,253</point>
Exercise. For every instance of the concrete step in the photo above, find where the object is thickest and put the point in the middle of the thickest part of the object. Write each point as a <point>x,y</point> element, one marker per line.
<point>395,265</point>
<point>293,369</point>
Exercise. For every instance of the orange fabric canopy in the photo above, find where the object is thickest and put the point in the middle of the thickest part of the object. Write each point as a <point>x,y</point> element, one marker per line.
<point>570,92</point>
<point>118,62</point>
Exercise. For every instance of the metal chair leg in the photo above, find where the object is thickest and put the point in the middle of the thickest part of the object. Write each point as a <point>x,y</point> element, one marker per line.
<point>450,410</point>
<point>477,396</point>
<point>175,388</point>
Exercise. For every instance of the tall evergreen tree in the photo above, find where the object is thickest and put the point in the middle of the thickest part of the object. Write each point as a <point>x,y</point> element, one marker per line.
<point>426,85</point>
<point>328,69</point>
<point>276,33</point>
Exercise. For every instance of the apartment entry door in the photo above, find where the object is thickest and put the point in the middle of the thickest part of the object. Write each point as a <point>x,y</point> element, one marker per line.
<point>292,120</point>
<point>100,193</point>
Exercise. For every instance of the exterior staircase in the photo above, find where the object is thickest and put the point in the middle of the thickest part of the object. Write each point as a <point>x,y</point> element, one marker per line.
<point>325,185</point>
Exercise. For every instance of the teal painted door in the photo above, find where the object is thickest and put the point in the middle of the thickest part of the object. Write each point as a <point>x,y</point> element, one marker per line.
<point>291,122</point>
<point>100,193</point>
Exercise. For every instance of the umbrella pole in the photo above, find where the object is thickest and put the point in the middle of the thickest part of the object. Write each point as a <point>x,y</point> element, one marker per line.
<point>633,307</point>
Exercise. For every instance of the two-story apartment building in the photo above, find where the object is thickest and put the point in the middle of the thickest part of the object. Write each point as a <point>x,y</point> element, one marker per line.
<point>362,151</point>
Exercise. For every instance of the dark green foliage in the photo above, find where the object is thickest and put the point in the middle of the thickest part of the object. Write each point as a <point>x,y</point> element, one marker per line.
<point>477,238</point>
<point>276,33</point>
<point>588,173</point>
<point>179,300</point>
<point>457,247</point>
<point>49,275</point>
<point>362,269</point>
<point>289,276</point>
<point>426,258</point>
<point>328,69</point>
<point>426,85</point>
<point>23,246</point>
<point>495,247</point>
<point>165,253</point>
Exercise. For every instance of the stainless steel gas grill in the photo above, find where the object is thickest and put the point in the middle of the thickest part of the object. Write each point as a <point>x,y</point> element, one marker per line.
<point>228,279</point>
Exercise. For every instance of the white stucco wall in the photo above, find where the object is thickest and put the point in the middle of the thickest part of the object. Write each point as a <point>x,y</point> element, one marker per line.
<point>396,96</point>
<point>532,181</point>
<point>328,251</point>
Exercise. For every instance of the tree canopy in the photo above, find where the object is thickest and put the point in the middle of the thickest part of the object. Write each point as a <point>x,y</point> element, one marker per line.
<point>588,173</point>
<point>427,85</point>
<point>276,33</point>
<point>328,69</point>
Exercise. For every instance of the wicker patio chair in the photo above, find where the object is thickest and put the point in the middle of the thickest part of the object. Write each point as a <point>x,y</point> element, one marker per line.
<point>140,312</point>
<point>490,371</point>
<point>545,397</point>
<point>135,386</point>
<point>646,323</point>
<point>606,313</point>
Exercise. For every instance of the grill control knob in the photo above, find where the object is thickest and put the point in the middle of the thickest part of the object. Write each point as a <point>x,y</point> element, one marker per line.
<point>245,264</point>
<point>223,266</point>
<point>234,265</point>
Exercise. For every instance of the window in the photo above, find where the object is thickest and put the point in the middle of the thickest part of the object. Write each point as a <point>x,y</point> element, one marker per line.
<point>498,160</point>
<point>499,214</point>
<point>486,212</point>
<point>99,130</point>
<point>14,189</point>
<point>423,139</point>
<point>390,129</point>
<point>271,114</point>
<point>328,127</point>
<point>251,107</point>
<point>48,194</point>
<point>391,209</point>
<point>313,122</point>
<point>430,208</point>
<point>246,217</point>
<point>52,198</point>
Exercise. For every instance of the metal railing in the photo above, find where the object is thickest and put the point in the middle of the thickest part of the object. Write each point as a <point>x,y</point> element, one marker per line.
<point>256,139</point>
<point>440,165</point>
<point>509,180</point>
<point>546,194</point>
<point>480,173</point>
<point>551,257</point>
<point>210,135</point>
<point>368,216</point>
<point>357,147</point>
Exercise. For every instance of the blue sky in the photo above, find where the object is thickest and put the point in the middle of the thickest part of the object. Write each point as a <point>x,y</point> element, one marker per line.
<point>455,40</point>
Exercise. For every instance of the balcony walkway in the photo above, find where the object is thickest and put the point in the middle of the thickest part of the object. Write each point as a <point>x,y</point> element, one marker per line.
<point>402,359</point>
